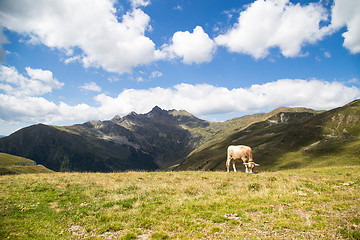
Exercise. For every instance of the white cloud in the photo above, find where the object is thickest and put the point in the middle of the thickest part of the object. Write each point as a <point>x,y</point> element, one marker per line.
<point>275,23</point>
<point>106,42</point>
<point>201,100</point>
<point>327,54</point>
<point>346,13</point>
<point>38,82</point>
<point>204,99</point>
<point>72,59</point>
<point>195,47</point>
<point>139,79</point>
<point>26,109</point>
<point>156,74</point>
<point>91,86</point>
<point>139,3</point>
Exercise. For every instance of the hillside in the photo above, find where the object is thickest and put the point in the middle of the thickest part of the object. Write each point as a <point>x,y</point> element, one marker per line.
<point>10,164</point>
<point>166,140</point>
<point>291,140</point>
<point>63,151</point>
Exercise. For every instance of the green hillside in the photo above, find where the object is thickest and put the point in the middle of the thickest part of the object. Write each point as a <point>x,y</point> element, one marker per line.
<point>219,131</point>
<point>10,164</point>
<point>290,140</point>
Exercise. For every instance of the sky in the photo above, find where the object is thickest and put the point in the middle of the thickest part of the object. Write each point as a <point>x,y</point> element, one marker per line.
<point>71,61</point>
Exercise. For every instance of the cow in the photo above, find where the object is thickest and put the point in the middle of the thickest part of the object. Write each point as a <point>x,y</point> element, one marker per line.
<point>240,153</point>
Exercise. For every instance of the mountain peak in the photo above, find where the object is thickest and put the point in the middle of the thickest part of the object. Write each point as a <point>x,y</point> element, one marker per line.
<point>157,112</point>
<point>157,109</point>
<point>116,118</point>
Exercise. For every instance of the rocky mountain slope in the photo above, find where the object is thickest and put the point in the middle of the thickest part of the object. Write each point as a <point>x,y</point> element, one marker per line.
<point>151,141</point>
<point>163,140</point>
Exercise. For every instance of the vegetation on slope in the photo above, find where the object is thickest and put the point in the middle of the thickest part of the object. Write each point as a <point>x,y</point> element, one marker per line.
<point>319,203</point>
<point>290,140</point>
<point>10,164</point>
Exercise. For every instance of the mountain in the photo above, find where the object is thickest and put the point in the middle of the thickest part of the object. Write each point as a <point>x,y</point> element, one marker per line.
<point>10,164</point>
<point>63,150</point>
<point>163,140</point>
<point>290,140</point>
<point>152,141</point>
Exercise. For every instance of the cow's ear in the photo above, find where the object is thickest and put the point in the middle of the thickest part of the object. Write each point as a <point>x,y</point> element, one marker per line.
<point>257,164</point>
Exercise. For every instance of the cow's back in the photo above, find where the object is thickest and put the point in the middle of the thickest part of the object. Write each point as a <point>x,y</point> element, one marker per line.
<point>240,152</point>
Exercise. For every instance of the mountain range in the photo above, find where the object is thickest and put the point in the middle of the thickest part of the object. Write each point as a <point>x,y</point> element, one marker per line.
<point>177,140</point>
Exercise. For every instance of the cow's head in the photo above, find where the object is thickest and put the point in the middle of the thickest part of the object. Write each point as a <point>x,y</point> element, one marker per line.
<point>249,166</point>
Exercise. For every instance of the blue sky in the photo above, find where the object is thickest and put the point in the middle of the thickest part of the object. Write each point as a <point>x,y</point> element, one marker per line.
<point>66,62</point>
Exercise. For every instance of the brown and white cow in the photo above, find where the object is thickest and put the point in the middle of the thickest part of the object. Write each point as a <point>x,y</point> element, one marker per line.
<point>240,153</point>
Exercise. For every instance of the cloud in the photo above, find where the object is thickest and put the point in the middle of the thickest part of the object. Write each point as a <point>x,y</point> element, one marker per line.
<point>205,99</point>
<point>106,40</point>
<point>275,23</point>
<point>346,13</point>
<point>91,86</point>
<point>195,47</point>
<point>201,100</point>
<point>37,82</point>
<point>139,3</point>
<point>327,54</point>
<point>156,74</point>
<point>37,109</point>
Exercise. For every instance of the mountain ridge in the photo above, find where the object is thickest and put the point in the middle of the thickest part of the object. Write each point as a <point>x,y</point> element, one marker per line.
<point>175,139</point>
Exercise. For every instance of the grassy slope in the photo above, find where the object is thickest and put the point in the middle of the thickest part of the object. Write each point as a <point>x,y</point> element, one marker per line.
<point>337,144</point>
<point>10,164</point>
<point>329,138</point>
<point>218,131</point>
<point>306,203</point>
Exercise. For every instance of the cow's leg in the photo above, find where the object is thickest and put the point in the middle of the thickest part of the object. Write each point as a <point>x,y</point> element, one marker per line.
<point>228,164</point>
<point>234,166</point>
<point>246,167</point>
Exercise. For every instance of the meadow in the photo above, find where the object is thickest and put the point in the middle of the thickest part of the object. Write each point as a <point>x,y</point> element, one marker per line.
<point>314,203</point>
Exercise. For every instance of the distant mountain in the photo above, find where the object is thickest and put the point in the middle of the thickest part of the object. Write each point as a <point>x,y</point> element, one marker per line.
<point>290,140</point>
<point>163,140</point>
<point>156,140</point>
<point>63,150</point>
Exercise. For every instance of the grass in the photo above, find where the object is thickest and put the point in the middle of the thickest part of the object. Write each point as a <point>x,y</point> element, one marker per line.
<point>301,204</point>
<point>10,164</point>
<point>8,159</point>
